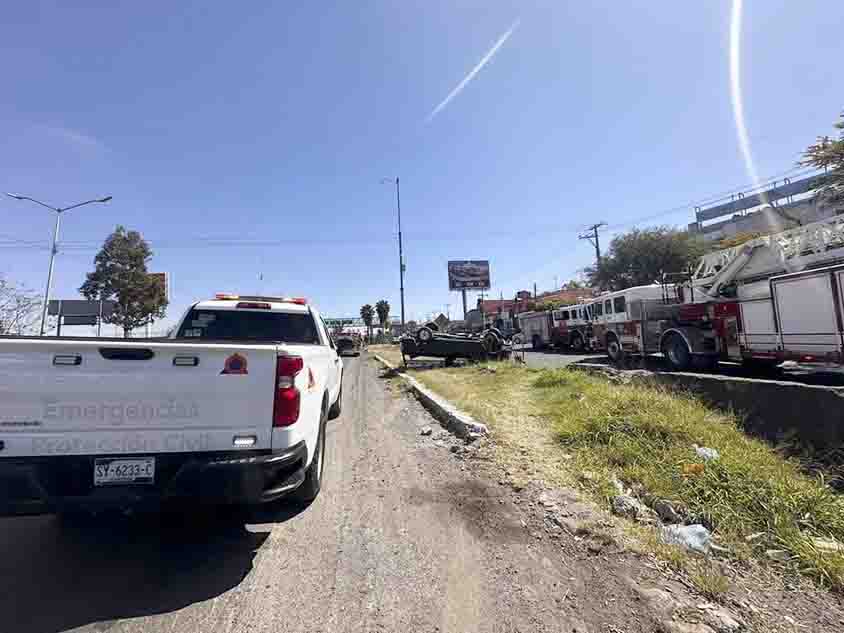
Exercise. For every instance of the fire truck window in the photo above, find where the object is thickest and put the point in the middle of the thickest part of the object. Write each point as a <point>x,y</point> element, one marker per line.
<point>608,306</point>
<point>618,304</point>
<point>597,309</point>
<point>565,316</point>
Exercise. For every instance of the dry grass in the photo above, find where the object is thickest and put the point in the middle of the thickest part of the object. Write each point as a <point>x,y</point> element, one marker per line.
<point>390,353</point>
<point>555,424</point>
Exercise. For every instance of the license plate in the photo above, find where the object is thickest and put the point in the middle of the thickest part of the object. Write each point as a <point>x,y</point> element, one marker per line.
<point>138,470</point>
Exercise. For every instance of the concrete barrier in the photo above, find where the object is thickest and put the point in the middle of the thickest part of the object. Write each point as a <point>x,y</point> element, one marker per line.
<point>779,411</point>
<point>450,417</point>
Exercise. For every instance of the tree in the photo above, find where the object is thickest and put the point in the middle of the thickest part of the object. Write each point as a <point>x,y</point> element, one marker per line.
<point>383,310</point>
<point>20,309</point>
<point>120,274</point>
<point>367,314</point>
<point>827,153</point>
<point>641,256</point>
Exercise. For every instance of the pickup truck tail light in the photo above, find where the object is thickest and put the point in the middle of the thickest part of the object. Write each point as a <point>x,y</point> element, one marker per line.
<point>287,396</point>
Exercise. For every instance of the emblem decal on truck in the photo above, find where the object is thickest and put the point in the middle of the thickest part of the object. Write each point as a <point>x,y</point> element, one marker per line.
<point>235,364</point>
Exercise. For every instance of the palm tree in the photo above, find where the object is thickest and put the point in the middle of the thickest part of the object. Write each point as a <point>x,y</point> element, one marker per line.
<point>367,314</point>
<point>383,310</point>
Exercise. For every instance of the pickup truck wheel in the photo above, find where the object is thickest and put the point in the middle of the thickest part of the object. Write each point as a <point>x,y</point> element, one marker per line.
<point>337,408</point>
<point>310,488</point>
<point>676,352</point>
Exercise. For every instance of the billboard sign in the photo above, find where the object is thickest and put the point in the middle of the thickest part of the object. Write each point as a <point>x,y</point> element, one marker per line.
<point>468,275</point>
<point>80,308</point>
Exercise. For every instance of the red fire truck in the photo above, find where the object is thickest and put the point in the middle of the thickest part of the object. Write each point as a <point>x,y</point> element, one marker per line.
<point>568,327</point>
<point>775,298</point>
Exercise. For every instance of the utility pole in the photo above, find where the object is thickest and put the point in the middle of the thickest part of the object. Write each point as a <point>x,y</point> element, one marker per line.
<point>58,211</point>
<point>401,254</point>
<point>591,234</point>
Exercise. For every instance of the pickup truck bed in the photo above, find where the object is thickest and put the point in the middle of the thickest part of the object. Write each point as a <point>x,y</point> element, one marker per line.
<point>87,422</point>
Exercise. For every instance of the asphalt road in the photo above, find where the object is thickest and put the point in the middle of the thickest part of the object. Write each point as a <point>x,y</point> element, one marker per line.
<point>402,538</point>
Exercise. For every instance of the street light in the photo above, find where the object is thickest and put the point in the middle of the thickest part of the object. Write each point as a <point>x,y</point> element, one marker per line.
<point>389,181</point>
<point>54,250</point>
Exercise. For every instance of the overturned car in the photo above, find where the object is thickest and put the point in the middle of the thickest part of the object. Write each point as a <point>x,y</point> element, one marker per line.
<point>429,341</point>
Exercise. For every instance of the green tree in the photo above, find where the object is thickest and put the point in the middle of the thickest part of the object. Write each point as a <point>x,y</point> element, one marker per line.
<point>367,314</point>
<point>641,256</point>
<point>120,274</point>
<point>828,153</point>
<point>20,309</point>
<point>383,310</point>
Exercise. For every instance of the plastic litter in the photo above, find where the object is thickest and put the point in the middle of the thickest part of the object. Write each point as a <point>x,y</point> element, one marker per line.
<point>694,537</point>
<point>708,454</point>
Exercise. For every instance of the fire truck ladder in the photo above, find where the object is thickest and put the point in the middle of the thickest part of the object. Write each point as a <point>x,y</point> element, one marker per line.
<point>816,244</point>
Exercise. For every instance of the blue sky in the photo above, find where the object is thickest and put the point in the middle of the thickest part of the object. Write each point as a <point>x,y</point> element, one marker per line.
<point>268,125</point>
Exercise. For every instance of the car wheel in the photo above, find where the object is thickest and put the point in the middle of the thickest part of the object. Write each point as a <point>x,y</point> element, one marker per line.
<point>310,488</point>
<point>425,334</point>
<point>337,408</point>
<point>676,352</point>
<point>491,342</point>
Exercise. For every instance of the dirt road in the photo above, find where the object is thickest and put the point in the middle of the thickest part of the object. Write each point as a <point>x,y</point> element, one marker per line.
<point>404,537</point>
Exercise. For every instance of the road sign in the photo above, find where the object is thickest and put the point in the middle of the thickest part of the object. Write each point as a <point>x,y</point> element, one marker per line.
<point>80,308</point>
<point>468,275</point>
<point>80,320</point>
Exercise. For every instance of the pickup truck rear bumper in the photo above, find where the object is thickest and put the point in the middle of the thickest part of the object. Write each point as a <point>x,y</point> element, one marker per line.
<point>52,484</point>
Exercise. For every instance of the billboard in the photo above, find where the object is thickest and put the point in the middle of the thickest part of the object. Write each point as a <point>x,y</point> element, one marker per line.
<point>470,274</point>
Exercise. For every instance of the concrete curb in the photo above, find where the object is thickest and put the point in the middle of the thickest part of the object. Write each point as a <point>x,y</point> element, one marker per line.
<point>453,419</point>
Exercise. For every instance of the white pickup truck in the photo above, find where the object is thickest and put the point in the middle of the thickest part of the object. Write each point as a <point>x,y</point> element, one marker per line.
<point>231,409</point>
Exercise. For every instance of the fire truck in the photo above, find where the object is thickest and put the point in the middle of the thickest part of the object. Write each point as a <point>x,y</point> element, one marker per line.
<point>568,327</point>
<point>774,298</point>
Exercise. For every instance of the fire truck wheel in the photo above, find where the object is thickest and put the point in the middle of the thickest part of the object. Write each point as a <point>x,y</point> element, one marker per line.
<point>676,352</point>
<point>577,344</point>
<point>614,349</point>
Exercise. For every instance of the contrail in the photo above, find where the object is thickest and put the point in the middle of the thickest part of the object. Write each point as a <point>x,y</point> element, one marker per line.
<point>484,60</point>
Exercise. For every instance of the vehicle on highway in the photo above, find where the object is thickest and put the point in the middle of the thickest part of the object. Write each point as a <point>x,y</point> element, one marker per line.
<point>568,327</point>
<point>429,341</point>
<point>231,409</point>
<point>348,344</point>
<point>772,299</point>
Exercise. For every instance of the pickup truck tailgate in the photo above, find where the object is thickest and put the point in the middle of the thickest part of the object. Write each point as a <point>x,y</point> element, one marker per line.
<point>90,397</point>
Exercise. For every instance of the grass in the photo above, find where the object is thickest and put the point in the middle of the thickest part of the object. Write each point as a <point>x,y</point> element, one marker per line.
<point>708,580</point>
<point>555,424</point>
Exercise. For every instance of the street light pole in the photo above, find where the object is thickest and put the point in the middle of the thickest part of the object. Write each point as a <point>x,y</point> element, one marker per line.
<point>54,249</point>
<point>401,253</point>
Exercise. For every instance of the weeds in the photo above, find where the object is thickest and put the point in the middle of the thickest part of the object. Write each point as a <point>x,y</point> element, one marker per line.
<point>644,435</point>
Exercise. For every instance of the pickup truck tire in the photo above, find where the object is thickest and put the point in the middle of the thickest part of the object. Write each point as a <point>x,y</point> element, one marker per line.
<point>310,488</point>
<point>337,408</point>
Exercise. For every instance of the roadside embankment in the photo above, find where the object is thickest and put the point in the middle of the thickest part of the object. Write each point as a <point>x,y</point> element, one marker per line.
<point>642,441</point>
